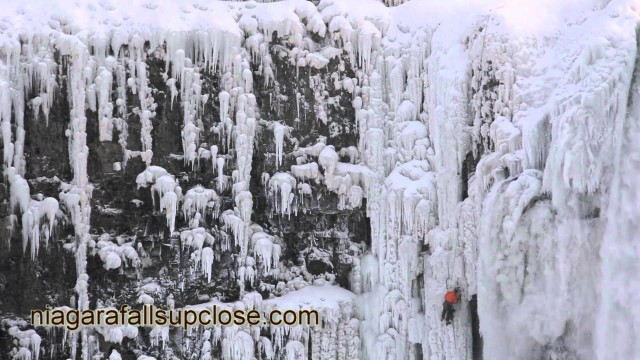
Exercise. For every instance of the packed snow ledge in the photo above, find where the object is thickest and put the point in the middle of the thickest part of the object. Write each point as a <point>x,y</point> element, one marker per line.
<point>494,148</point>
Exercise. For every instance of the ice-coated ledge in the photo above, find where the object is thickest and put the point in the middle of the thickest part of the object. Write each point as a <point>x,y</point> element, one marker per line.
<point>486,132</point>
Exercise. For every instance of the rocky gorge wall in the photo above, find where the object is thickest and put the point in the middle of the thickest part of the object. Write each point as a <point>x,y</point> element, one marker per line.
<point>356,159</point>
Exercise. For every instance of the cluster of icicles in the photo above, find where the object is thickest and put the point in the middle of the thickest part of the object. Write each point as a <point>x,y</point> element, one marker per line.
<point>101,75</point>
<point>336,337</point>
<point>290,189</point>
<point>399,183</point>
<point>33,213</point>
<point>27,341</point>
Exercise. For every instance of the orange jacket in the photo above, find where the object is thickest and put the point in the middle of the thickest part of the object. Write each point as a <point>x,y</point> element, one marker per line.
<point>451,297</point>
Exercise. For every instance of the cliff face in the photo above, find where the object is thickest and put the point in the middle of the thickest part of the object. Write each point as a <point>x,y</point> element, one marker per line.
<point>318,237</point>
<point>357,159</point>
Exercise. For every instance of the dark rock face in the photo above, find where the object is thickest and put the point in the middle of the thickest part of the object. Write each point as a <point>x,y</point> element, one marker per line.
<point>318,238</point>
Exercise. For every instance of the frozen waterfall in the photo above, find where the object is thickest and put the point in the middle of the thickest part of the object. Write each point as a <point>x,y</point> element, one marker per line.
<point>355,158</point>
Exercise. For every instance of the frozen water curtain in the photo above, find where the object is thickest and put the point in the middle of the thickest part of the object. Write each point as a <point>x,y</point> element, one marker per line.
<point>357,160</point>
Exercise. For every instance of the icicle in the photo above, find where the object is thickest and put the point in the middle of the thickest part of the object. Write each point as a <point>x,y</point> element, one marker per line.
<point>244,202</point>
<point>295,350</point>
<point>281,184</point>
<point>214,157</point>
<point>169,202</point>
<point>222,183</point>
<point>207,262</point>
<point>263,248</point>
<point>306,171</point>
<point>197,199</point>
<point>278,132</point>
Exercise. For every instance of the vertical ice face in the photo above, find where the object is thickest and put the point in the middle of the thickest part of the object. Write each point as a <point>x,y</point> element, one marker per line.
<point>80,189</point>
<point>537,263</point>
<point>619,251</point>
<point>490,154</point>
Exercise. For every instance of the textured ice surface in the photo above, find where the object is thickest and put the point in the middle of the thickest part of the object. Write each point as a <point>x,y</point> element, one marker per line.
<point>496,151</point>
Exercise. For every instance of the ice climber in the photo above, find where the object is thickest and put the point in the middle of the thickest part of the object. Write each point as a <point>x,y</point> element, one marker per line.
<point>450,299</point>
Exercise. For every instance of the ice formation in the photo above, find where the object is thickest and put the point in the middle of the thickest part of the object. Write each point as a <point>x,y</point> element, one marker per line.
<point>197,199</point>
<point>113,255</point>
<point>495,151</point>
<point>281,186</point>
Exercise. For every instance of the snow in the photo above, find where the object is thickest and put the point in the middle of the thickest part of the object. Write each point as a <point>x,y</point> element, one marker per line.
<point>151,288</point>
<point>305,171</point>
<point>114,255</point>
<point>328,159</point>
<point>618,249</point>
<point>316,60</point>
<point>145,299</point>
<point>29,342</point>
<point>334,305</point>
<point>307,298</point>
<point>500,135</point>
<point>197,199</point>
<point>115,355</point>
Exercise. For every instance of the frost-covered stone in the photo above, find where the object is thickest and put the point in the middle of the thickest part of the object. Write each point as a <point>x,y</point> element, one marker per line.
<point>395,148</point>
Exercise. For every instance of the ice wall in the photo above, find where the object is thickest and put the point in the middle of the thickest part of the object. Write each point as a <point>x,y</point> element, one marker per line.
<point>618,306</point>
<point>492,154</point>
<point>542,258</point>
